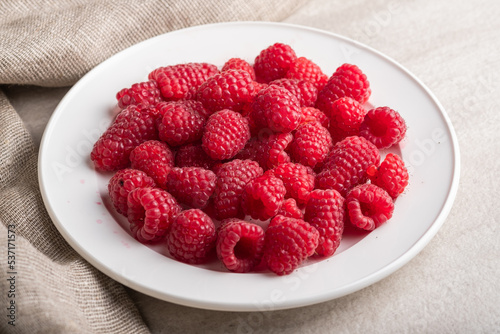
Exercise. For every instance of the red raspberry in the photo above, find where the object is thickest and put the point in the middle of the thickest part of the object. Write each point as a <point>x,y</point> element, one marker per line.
<point>226,133</point>
<point>131,127</point>
<point>192,186</point>
<point>154,158</point>
<point>305,69</point>
<point>383,126</point>
<point>269,150</point>
<point>263,197</point>
<point>230,89</point>
<point>369,206</point>
<point>240,245</point>
<point>196,106</point>
<point>298,180</point>
<point>192,237</point>
<point>179,124</point>
<point>346,116</point>
<point>150,213</point>
<point>348,80</point>
<point>311,144</point>
<point>239,64</point>
<point>181,81</point>
<point>288,242</point>
<point>346,164</point>
<point>325,212</point>
<point>232,177</point>
<point>145,93</point>
<point>310,114</point>
<point>391,175</point>
<point>273,62</point>
<point>277,109</point>
<point>193,155</point>
<point>290,209</point>
<point>303,90</point>
<point>122,183</point>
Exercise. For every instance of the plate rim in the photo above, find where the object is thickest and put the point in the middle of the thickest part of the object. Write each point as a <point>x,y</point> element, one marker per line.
<point>374,277</point>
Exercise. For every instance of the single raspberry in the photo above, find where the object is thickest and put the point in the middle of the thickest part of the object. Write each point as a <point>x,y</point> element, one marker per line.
<point>305,69</point>
<point>230,89</point>
<point>348,80</point>
<point>240,245</point>
<point>232,177</point>
<point>193,155</point>
<point>226,133</point>
<point>145,93</point>
<point>346,164</point>
<point>290,209</point>
<point>122,183</point>
<point>303,90</point>
<point>311,144</point>
<point>179,124</point>
<point>391,175</point>
<point>196,106</point>
<point>268,149</point>
<point>192,236</point>
<point>273,62</point>
<point>298,180</point>
<point>154,158</point>
<point>192,186</point>
<point>325,211</point>
<point>288,242</point>
<point>368,206</point>
<point>150,213</point>
<point>132,126</point>
<point>181,81</point>
<point>263,197</point>
<point>277,109</point>
<point>346,116</point>
<point>239,64</point>
<point>383,126</point>
<point>310,114</point>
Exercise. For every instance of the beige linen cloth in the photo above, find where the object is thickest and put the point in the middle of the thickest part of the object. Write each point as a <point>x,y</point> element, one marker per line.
<point>450,287</point>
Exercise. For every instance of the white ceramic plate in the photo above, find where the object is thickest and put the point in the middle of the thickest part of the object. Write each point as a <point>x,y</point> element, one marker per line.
<point>76,197</point>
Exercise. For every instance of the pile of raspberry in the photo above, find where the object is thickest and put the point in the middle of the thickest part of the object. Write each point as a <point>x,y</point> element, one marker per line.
<point>257,165</point>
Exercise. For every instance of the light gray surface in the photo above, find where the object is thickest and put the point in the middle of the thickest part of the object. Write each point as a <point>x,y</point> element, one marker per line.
<point>452,285</point>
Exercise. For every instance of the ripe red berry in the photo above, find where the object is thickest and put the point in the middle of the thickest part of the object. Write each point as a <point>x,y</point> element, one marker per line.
<point>277,109</point>
<point>226,133</point>
<point>311,144</point>
<point>347,81</point>
<point>391,175</point>
<point>154,158</point>
<point>192,186</point>
<point>268,149</point>
<point>305,69</point>
<point>239,64</point>
<point>180,124</point>
<point>303,90</point>
<point>298,180</point>
<point>239,245</point>
<point>383,126</point>
<point>131,127</point>
<point>346,116</point>
<point>288,242</point>
<point>369,206</point>
<point>122,183</point>
<point>192,236</point>
<point>232,177</point>
<point>325,211</point>
<point>310,114</point>
<point>193,155</point>
<point>346,164</point>
<point>230,89</point>
<point>145,93</point>
<point>290,209</point>
<point>181,81</point>
<point>263,196</point>
<point>274,62</point>
<point>150,213</point>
